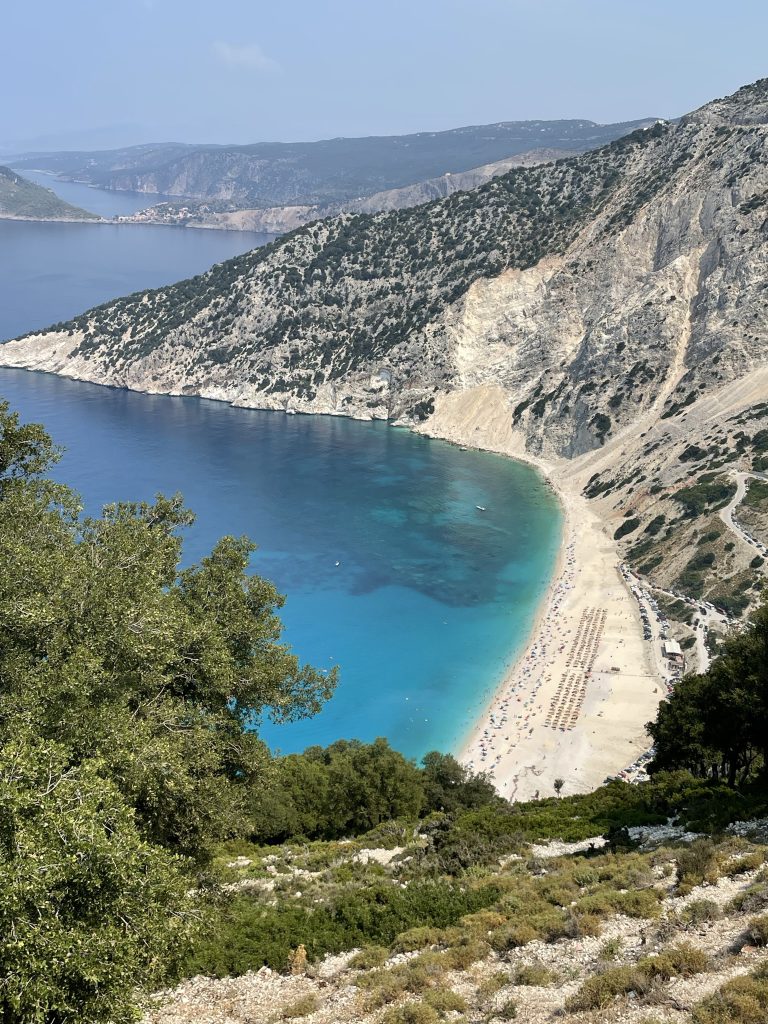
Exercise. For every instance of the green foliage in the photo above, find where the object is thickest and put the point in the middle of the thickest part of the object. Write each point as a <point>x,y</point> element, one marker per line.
<point>534,974</point>
<point>628,526</point>
<point>350,788</point>
<point>714,724</point>
<point>301,1007</point>
<point>128,689</point>
<point>601,989</point>
<point>411,1013</point>
<point>680,961</point>
<point>743,1000</point>
<point>700,911</point>
<point>757,930</point>
<point>708,494</point>
<point>20,197</point>
<point>244,934</point>
<point>369,957</point>
<point>88,909</point>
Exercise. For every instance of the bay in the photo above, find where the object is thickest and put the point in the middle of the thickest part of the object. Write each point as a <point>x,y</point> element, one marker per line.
<point>431,598</point>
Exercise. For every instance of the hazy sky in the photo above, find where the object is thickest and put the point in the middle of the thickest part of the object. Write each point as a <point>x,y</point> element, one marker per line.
<point>247,70</point>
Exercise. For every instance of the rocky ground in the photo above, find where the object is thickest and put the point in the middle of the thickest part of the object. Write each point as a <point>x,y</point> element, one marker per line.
<point>705,925</point>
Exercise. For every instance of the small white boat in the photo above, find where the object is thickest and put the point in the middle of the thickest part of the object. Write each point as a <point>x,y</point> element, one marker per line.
<point>480,508</point>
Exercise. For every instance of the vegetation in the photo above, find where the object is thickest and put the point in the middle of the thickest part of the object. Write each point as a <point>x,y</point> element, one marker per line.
<point>127,692</point>
<point>715,725</point>
<point>22,198</point>
<point>133,786</point>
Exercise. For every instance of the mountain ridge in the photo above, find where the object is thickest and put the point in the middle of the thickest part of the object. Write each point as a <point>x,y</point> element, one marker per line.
<point>330,171</point>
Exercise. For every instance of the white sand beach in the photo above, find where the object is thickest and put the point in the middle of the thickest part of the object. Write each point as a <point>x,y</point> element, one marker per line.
<point>575,704</point>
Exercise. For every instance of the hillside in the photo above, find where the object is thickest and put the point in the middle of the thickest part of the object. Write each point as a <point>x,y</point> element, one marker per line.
<point>22,198</point>
<point>604,314</point>
<point>671,933</point>
<point>270,174</point>
<point>279,219</point>
<point>154,844</point>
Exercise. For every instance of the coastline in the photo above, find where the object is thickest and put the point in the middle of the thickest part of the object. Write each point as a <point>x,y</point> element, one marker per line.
<point>574,703</point>
<point>552,715</point>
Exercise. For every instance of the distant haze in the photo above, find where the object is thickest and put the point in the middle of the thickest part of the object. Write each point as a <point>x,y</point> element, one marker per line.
<point>98,75</point>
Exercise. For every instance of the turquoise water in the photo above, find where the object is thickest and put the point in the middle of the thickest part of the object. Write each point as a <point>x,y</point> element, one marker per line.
<point>431,599</point>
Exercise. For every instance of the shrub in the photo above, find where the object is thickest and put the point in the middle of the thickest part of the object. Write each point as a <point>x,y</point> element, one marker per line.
<point>601,989</point>
<point>628,526</point>
<point>534,974</point>
<point>699,911</point>
<point>750,862</point>
<point>415,938</point>
<point>301,1007</point>
<point>466,953</point>
<point>445,1001</point>
<point>488,988</point>
<point>411,1013</point>
<point>611,949</point>
<point>369,957</point>
<point>698,863</point>
<point>741,1001</point>
<point>507,1011</point>
<point>683,960</point>
<point>512,936</point>
<point>757,930</point>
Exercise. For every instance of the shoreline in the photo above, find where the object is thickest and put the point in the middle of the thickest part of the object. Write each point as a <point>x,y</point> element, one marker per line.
<point>574,702</point>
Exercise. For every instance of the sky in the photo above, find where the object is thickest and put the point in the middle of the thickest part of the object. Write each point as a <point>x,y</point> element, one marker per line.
<point>115,72</point>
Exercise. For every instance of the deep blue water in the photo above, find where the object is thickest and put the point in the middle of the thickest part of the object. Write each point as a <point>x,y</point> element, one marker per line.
<point>53,271</point>
<point>432,598</point>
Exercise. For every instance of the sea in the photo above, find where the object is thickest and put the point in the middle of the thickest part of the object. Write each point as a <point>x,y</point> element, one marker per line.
<point>413,565</point>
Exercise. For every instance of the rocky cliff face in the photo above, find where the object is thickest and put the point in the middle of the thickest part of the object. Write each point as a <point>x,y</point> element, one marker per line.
<point>596,291</point>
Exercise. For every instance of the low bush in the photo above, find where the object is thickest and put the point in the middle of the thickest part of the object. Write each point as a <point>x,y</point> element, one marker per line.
<point>369,957</point>
<point>700,911</point>
<point>680,961</point>
<point>757,930</point>
<point>750,862</point>
<point>601,989</point>
<point>301,1007</point>
<point>534,974</point>
<point>741,1001</point>
<point>411,1013</point>
<point>445,1001</point>
<point>698,863</point>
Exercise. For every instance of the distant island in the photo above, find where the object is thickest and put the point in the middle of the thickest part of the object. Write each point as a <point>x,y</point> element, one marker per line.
<point>20,198</point>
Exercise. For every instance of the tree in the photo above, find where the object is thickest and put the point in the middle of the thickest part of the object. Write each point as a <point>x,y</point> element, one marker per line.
<point>130,695</point>
<point>88,909</point>
<point>715,724</point>
<point>558,786</point>
<point>328,792</point>
<point>108,647</point>
<point>449,786</point>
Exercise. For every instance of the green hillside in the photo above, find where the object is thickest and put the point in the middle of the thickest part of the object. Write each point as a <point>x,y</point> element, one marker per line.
<point>22,198</point>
